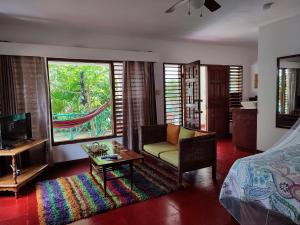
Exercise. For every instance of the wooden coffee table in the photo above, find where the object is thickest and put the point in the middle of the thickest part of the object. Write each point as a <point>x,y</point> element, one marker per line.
<point>101,167</point>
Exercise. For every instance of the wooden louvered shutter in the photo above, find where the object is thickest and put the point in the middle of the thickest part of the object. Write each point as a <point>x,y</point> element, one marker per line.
<point>191,87</point>
<point>235,87</point>
<point>118,99</point>
<point>173,93</point>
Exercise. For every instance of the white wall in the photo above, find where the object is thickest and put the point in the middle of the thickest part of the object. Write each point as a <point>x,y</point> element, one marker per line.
<point>166,51</point>
<point>275,40</point>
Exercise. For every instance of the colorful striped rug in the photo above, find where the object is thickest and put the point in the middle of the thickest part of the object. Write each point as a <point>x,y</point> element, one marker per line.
<point>67,199</point>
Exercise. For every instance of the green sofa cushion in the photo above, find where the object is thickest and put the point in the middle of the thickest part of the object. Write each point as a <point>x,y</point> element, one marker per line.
<point>157,148</point>
<point>185,133</point>
<point>171,157</point>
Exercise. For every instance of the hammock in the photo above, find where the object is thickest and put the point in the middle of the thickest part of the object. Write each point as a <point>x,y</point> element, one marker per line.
<point>81,120</point>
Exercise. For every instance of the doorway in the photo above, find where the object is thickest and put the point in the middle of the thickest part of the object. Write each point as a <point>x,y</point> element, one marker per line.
<point>205,97</point>
<point>218,99</point>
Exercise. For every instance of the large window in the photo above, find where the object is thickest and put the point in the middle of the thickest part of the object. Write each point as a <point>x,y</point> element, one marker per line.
<point>173,93</point>
<point>83,99</point>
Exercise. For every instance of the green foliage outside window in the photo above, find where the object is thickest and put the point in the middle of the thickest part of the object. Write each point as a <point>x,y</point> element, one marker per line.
<point>77,89</point>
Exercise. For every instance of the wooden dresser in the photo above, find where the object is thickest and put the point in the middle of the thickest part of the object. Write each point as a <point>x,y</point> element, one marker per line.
<point>244,128</point>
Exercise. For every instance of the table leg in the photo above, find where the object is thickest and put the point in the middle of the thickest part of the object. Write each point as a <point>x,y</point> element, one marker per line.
<point>91,171</point>
<point>14,168</point>
<point>104,179</point>
<point>131,174</point>
<point>46,156</point>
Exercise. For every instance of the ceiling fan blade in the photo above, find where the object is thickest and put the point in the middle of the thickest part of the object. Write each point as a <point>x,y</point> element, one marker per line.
<point>212,5</point>
<point>173,7</point>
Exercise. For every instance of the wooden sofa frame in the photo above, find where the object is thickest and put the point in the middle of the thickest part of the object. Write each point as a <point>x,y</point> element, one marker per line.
<point>194,153</point>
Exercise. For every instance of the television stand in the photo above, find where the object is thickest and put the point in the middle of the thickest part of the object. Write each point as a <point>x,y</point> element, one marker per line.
<point>12,182</point>
<point>8,147</point>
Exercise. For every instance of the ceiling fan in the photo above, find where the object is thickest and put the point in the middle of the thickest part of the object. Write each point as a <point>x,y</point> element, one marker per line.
<point>212,5</point>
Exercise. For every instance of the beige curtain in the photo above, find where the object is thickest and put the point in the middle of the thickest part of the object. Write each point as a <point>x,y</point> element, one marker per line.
<point>32,95</point>
<point>139,106</point>
<point>7,88</point>
<point>24,88</point>
<point>7,100</point>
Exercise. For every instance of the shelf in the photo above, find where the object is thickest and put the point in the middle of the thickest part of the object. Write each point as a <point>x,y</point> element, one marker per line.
<point>26,145</point>
<point>27,174</point>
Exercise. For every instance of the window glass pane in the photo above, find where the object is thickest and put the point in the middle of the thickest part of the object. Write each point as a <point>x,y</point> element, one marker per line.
<point>80,100</point>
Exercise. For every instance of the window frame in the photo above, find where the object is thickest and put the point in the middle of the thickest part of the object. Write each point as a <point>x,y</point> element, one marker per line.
<point>111,64</point>
<point>164,90</point>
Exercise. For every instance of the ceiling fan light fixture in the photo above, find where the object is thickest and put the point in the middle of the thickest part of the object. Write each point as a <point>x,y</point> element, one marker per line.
<point>197,4</point>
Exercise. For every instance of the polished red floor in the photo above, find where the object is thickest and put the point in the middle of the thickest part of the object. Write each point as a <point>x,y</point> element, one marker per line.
<point>195,205</point>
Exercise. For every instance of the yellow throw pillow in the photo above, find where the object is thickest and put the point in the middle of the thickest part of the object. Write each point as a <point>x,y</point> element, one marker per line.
<point>172,134</point>
<point>199,133</point>
<point>185,133</point>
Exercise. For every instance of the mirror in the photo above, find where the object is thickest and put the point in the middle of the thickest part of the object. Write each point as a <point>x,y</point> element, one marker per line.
<point>288,91</point>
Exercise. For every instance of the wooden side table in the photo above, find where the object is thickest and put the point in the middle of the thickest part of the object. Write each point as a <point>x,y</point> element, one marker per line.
<point>12,182</point>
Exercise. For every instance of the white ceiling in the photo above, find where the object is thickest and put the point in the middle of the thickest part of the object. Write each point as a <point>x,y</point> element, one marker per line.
<point>235,23</point>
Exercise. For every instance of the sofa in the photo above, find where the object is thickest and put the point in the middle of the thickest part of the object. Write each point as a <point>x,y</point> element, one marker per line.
<point>189,153</point>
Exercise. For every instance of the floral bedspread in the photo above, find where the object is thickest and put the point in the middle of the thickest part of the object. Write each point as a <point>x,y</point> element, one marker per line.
<point>271,179</point>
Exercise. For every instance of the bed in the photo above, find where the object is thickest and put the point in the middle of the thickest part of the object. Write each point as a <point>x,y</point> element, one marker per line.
<point>265,188</point>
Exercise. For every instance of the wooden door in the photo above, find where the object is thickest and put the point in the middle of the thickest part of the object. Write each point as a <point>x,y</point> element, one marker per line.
<point>191,88</point>
<point>218,99</point>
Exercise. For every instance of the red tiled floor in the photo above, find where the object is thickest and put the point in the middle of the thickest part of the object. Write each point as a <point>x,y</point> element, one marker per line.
<point>195,205</point>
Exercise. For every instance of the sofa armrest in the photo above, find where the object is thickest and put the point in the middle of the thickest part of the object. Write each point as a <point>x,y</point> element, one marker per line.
<point>197,152</point>
<point>152,134</point>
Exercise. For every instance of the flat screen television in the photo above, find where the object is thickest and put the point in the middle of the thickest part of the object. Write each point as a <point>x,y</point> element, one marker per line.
<point>14,129</point>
